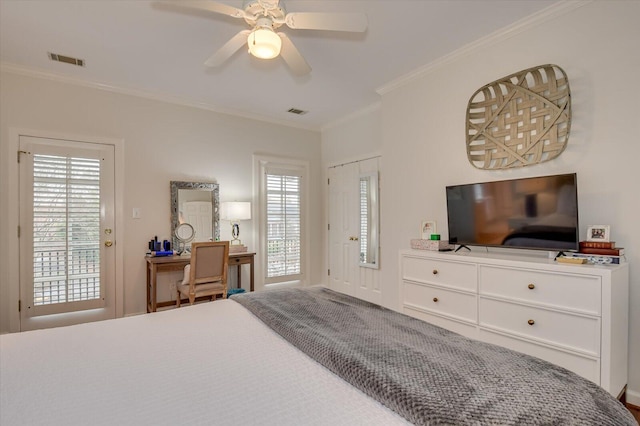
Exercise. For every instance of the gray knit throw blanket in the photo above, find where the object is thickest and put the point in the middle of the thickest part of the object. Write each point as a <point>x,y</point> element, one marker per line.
<point>427,374</point>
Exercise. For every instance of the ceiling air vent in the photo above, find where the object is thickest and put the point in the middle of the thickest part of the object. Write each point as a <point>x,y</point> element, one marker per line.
<point>297,111</point>
<point>66,59</point>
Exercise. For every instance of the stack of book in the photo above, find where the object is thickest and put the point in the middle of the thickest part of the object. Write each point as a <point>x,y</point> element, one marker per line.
<point>602,252</point>
<point>237,248</point>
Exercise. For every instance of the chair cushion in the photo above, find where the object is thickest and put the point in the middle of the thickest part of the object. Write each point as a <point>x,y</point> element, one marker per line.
<point>187,272</point>
<point>203,289</point>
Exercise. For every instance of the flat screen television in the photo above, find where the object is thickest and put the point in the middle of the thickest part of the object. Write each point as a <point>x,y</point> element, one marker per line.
<point>530,213</point>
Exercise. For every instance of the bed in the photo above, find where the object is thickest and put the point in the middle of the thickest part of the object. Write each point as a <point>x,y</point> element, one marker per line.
<point>555,230</point>
<point>284,357</point>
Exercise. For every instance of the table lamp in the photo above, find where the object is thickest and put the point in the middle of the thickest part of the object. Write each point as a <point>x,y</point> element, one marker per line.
<point>235,211</point>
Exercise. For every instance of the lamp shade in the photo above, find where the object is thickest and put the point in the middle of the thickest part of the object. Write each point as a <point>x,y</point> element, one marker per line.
<point>264,43</point>
<point>235,210</point>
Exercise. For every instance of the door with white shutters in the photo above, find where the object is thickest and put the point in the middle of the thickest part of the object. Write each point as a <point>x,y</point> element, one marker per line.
<point>67,258</point>
<point>284,225</point>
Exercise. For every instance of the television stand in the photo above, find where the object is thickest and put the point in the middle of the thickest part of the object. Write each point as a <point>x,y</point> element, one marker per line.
<point>573,315</point>
<point>461,246</point>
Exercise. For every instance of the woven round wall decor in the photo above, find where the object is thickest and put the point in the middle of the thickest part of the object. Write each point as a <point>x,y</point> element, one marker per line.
<point>519,120</point>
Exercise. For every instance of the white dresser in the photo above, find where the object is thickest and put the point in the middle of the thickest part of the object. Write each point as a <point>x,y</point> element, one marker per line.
<point>575,316</point>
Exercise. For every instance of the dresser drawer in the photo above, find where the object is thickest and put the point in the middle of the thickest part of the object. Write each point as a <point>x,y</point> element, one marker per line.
<point>575,332</point>
<point>440,272</point>
<point>589,368</point>
<point>436,299</point>
<point>460,327</point>
<point>574,292</point>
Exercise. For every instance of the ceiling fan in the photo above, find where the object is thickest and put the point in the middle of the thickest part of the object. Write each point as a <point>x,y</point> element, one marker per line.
<point>265,17</point>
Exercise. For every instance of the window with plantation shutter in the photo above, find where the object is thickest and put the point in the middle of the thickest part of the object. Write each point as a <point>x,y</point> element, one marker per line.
<point>283,224</point>
<point>66,231</point>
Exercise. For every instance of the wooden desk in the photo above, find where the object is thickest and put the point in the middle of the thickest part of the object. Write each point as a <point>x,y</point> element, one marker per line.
<point>156,265</point>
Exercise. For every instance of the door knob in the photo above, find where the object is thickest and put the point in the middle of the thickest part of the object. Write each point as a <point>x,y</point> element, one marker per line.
<point>108,243</point>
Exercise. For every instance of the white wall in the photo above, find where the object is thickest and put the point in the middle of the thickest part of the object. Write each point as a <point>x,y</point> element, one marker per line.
<point>355,138</point>
<point>162,142</point>
<point>423,134</point>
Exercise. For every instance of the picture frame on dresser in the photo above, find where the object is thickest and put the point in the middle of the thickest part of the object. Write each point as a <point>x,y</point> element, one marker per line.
<point>599,233</point>
<point>427,227</point>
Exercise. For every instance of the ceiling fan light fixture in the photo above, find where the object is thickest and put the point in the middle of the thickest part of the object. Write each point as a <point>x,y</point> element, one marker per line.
<point>264,43</point>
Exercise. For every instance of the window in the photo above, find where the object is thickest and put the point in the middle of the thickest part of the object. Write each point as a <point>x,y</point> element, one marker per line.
<point>283,225</point>
<point>281,190</point>
<point>66,229</point>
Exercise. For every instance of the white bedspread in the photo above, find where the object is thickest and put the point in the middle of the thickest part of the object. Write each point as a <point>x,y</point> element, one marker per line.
<point>212,363</point>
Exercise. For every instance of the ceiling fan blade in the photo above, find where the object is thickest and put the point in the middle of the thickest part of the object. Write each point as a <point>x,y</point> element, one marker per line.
<point>209,6</point>
<point>292,57</point>
<point>351,22</point>
<point>226,51</point>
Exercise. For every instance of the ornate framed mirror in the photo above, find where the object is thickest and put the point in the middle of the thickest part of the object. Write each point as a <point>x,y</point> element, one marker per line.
<point>197,204</point>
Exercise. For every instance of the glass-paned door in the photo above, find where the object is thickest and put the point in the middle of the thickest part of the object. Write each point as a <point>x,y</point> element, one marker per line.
<point>284,225</point>
<point>66,232</point>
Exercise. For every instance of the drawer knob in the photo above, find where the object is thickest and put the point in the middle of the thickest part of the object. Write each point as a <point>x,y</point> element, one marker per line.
<point>531,286</point>
<point>435,272</point>
<point>531,322</point>
<point>435,299</point>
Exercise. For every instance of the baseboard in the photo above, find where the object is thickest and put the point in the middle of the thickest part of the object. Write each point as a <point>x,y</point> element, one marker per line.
<point>633,398</point>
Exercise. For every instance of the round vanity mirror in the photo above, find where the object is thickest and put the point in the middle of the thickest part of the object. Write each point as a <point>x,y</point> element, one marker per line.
<point>184,234</point>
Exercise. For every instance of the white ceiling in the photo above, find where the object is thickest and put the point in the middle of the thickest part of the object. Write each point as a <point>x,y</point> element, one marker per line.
<point>137,46</point>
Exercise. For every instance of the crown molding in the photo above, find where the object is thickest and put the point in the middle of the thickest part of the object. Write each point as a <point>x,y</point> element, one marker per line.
<point>350,117</point>
<point>505,33</point>
<point>160,97</point>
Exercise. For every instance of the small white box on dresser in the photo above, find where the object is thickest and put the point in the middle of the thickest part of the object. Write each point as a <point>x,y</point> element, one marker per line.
<point>575,316</point>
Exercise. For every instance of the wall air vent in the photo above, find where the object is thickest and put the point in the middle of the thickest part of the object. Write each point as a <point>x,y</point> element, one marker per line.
<point>66,59</point>
<point>297,111</point>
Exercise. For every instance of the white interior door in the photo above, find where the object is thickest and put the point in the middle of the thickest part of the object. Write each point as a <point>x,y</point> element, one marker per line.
<point>67,220</point>
<point>344,211</point>
<point>199,214</point>
<point>345,273</point>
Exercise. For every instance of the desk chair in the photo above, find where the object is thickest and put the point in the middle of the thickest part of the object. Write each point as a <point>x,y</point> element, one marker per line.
<point>206,275</point>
